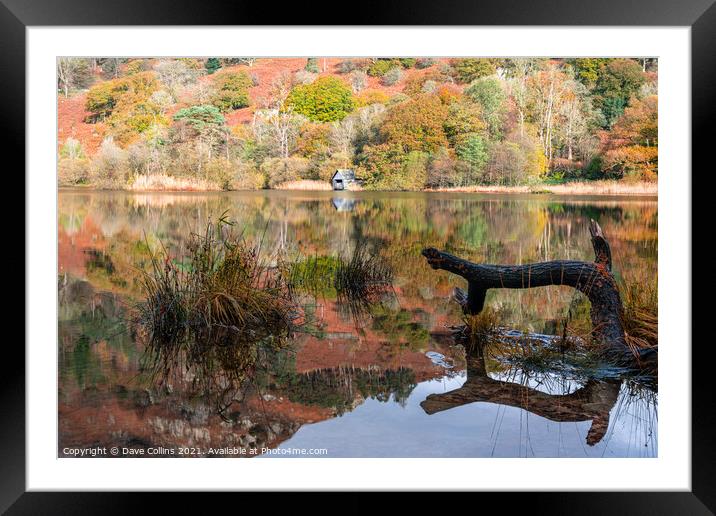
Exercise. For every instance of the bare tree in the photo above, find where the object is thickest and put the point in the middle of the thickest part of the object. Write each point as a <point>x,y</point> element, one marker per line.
<point>277,121</point>
<point>574,119</point>
<point>72,72</point>
<point>358,79</point>
<point>521,70</point>
<point>175,74</point>
<point>343,133</point>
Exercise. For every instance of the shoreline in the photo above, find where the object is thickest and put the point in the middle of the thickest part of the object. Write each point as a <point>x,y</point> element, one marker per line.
<point>605,188</point>
<point>576,188</point>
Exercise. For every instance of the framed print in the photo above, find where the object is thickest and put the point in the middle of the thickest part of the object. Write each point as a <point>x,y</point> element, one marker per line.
<point>350,257</point>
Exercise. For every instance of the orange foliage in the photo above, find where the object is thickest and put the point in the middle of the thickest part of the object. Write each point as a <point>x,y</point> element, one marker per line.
<point>631,148</point>
<point>417,124</point>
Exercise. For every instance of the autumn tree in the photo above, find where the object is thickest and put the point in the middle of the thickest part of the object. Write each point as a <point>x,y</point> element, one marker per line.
<point>463,118</point>
<point>358,80</point>
<point>325,100</point>
<point>470,69</point>
<point>546,90</point>
<point>633,144</point>
<point>199,134</point>
<point>588,69</point>
<point>388,167</point>
<point>232,90</point>
<point>416,125</point>
<point>618,81</point>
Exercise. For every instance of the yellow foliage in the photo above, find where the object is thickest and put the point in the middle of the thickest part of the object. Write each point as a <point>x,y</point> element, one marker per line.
<point>368,97</point>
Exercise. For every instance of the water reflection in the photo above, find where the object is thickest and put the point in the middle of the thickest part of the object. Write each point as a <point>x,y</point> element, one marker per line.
<point>343,203</point>
<point>344,384</point>
<point>591,402</point>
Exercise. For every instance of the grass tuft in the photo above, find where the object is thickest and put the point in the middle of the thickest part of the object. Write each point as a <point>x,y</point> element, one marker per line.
<point>209,314</point>
<point>362,280</point>
<point>640,299</point>
<point>480,329</point>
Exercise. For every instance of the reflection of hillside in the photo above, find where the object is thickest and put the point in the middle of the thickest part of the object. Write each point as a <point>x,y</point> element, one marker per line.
<point>341,389</point>
<point>105,400</point>
<point>74,241</point>
<point>104,238</point>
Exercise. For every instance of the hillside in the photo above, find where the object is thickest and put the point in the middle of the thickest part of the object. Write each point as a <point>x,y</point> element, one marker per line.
<point>402,123</point>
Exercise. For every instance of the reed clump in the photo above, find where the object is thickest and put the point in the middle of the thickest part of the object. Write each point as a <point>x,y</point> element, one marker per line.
<point>362,280</point>
<point>640,316</point>
<point>209,314</point>
<point>480,329</point>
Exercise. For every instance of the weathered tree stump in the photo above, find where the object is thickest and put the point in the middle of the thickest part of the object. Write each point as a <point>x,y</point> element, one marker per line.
<point>593,279</point>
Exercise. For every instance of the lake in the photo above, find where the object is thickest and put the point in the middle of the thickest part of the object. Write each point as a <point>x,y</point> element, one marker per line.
<point>390,384</point>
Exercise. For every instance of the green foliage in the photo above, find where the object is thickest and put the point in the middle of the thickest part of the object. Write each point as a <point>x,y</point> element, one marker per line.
<point>110,66</point>
<point>232,90</point>
<point>126,105</point>
<point>315,275</point>
<point>407,62</point>
<point>72,149</point>
<point>282,170</point>
<point>400,328</point>
<point>588,69</point>
<point>616,84</point>
<point>200,117</point>
<point>212,65</point>
<point>473,150</point>
<point>594,169</point>
<point>469,69</point>
<point>388,167</point>
<point>327,99</point>
<point>378,67</point>
<point>312,65</point>
<point>488,93</point>
<point>102,98</point>
<point>463,118</point>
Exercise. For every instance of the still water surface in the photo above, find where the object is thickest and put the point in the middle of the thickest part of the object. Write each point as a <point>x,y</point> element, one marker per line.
<point>394,385</point>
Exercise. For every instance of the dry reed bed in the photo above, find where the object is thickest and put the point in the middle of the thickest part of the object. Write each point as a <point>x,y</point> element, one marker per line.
<point>576,188</point>
<point>163,182</point>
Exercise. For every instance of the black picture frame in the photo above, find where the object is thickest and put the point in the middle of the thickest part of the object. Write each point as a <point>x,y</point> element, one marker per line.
<point>699,15</point>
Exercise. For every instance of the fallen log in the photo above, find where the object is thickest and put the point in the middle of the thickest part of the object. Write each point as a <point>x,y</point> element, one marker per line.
<point>593,279</point>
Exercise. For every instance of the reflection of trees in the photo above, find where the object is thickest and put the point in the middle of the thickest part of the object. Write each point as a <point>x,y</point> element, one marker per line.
<point>481,228</point>
<point>340,387</point>
<point>592,402</point>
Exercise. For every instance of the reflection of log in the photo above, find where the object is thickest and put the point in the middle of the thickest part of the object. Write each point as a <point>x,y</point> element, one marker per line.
<point>594,279</point>
<point>591,402</point>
